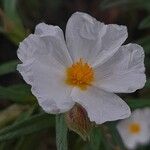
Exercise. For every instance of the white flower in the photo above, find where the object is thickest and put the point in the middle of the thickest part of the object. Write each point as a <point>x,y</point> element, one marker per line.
<point>136,129</point>
<point>87,68</point>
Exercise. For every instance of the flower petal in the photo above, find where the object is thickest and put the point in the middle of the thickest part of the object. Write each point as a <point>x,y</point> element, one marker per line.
<point>30,48</point>
<point>101,106</point>
<point>92,40</point>
<point>47,39</point>
<point>44,70</point>
<point>48,85</point>
<point>124,72</point>
<point>43,29</point>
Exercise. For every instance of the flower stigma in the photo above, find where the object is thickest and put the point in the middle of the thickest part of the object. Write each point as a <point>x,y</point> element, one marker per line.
<point>80,74</point>
<point>134,128</point>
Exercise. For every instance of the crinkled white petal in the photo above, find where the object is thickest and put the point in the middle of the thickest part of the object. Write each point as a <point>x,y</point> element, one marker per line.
<point>43,29</point>
<point>34,48</point>
<point>30,48</point>
<point>124,72</point>
<point>53,36</point>
<point>101,106</point>
<point>41,43</point>
<point>44,70</point>
<point>92,40</point>
<point>48,85</point>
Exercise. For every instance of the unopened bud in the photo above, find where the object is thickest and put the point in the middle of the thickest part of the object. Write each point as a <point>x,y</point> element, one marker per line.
<point>78,121</point>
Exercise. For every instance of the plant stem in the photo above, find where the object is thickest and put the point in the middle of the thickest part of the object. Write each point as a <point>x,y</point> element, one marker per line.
<point>61,133</point>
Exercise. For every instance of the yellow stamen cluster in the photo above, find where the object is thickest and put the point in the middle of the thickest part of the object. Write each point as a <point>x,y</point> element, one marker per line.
<point>80,74</point>
<point>134,128</point>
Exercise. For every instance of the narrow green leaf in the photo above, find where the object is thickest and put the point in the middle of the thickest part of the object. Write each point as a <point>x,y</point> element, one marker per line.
<point>26,142</point>
<point>17,34</point>
<point>28,126</point>
<point>145,23</point>
<point>116,137</point>
<point>10,114</point>
<point>61,133</point>
<point>27,114</point>
<point>12,22</point>
<point>5,145</point>
<point>8,67</point>
<point>10,9</point>
<point>105,4</point>
<point>138,103</point>
<point>18,93</point>
<point>95,139</point>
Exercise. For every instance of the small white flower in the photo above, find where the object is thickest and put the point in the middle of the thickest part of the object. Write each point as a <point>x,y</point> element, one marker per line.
<point>87,68</point>
<point>136,129</point>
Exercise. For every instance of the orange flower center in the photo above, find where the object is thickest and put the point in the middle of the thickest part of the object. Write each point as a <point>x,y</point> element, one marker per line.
<point>80,74</point>
<point>134,128</point>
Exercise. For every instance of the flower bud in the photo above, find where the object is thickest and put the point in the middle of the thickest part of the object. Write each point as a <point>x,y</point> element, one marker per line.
<point>77,120</point>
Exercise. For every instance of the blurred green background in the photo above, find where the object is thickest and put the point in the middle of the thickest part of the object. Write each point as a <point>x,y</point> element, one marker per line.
<point>23,125</point>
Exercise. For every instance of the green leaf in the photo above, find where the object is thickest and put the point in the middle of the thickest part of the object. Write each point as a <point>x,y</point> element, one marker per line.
<point>27,114</point>
<point>105,4</point>
<point>18,93</point>
<point>23,115</point>
<point>13,26</point>
<point>10,9</point>
<point>145,23</point>
<point>116,137</point>
<point>28,126</point>
<point>95,139</point>
<point>138,103</point>
<point>61,133</point>
<point>29,141</point>
<point>8,67</point>
<point>10,113</point>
